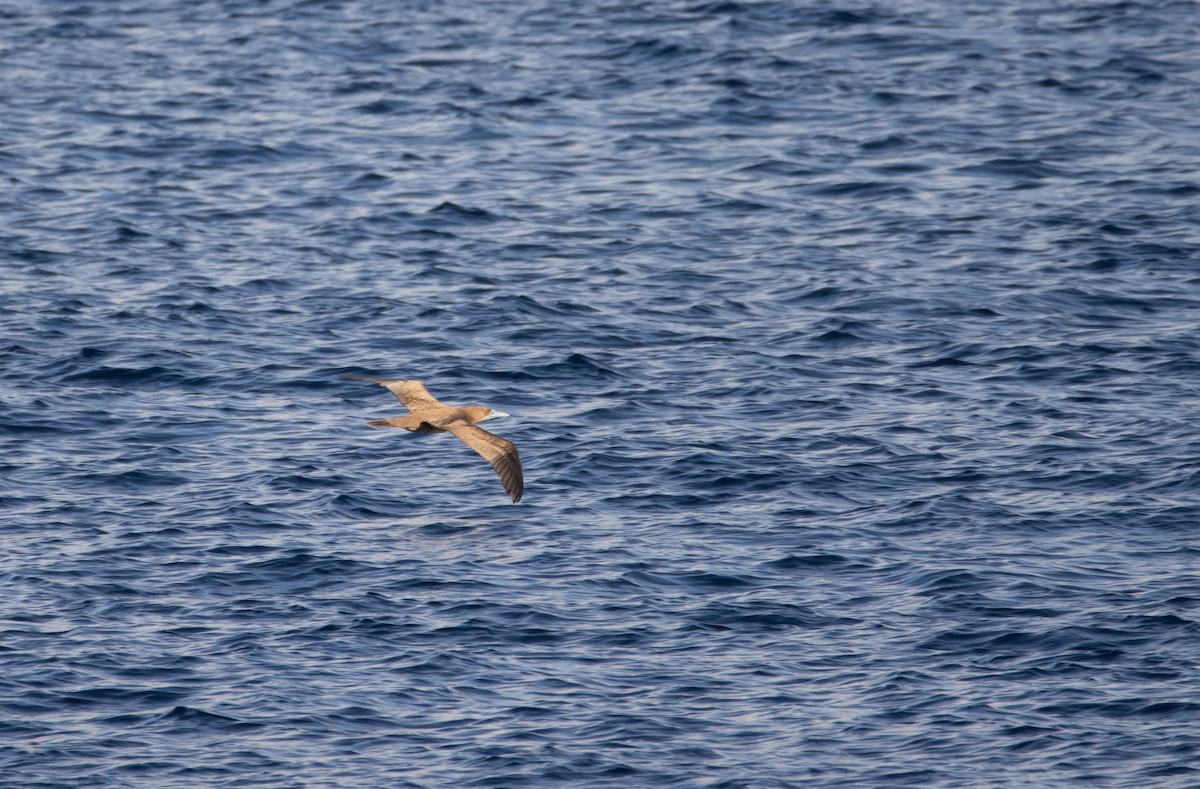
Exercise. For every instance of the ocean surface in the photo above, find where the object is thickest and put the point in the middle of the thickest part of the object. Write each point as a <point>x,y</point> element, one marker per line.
<point>852,349</point>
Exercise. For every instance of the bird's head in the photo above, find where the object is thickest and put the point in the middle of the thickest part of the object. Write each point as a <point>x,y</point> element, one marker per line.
<point>481,413</point>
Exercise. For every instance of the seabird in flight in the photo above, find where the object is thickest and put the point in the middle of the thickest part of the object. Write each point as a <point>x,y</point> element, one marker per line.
<point>427,415</point>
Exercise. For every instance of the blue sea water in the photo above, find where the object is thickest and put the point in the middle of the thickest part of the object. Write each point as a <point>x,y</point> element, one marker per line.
<point>851,349</point>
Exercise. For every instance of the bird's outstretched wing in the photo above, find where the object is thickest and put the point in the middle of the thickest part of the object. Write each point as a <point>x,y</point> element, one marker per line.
<point>500,453</point>
<point>411,394</point>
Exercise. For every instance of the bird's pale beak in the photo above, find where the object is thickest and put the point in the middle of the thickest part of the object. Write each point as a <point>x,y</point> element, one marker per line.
<point>493,415</point>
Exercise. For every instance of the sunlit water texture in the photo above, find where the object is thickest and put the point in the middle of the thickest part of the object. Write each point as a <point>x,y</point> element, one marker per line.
<point>851,350</point>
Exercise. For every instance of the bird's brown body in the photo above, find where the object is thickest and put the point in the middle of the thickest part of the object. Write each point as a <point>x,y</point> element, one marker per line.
<point>426,414</point>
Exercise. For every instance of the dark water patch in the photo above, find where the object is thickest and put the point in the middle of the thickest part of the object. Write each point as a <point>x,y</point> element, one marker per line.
<point>762,616</point>
<point>183,719</point>
<point>1009,167</point>
<point>860,189</point>
<point>815,562</point>
<point>126,376</point>
<point>452,212</point>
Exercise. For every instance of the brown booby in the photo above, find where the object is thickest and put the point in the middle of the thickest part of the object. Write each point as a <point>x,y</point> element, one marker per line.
<point>428,415</point>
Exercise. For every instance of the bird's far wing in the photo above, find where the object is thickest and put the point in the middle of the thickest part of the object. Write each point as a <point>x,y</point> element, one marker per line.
<point>495,450</point>
<point>411,394</point>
